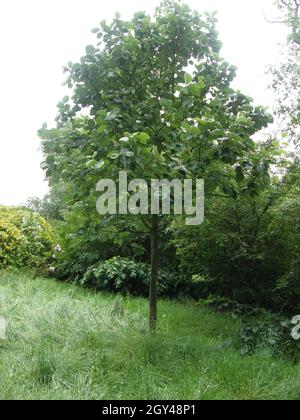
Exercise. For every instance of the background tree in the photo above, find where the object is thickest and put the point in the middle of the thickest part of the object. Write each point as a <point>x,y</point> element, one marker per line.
<point>286,84</point>
<point>51,207</point>
<point>246,250</point>
<point>149,116</point>
<point>290,16</point>
<point>286,76</point>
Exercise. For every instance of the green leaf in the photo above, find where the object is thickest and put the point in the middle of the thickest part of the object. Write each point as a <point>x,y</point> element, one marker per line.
<point>101,129</point>
<point>113,155</point>
<point>100,165</point>
<point>44,165</point>
<point>166,103</point>
<point>218,133</point>
<point>91,163</point>
<point>188,78</point>
<point>144,138</point>
<point>128,153</point>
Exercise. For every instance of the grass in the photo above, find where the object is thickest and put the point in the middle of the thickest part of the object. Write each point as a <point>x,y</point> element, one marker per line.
<point>68,343</point>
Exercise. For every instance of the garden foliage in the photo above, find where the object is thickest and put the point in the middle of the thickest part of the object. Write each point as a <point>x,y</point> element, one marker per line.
<point>26,239</point>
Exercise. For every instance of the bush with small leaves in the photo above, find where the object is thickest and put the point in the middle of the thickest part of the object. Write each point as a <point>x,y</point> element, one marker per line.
<point>26,240</point>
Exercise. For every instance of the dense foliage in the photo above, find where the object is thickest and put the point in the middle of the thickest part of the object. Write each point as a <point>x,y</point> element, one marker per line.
<point>26,239</point>
<point>269,333</point>
<point>248,247</point>
<point>51,206</point>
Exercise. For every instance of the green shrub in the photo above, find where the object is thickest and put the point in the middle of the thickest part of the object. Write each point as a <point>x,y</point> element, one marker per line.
<point>26,239</point>
<point>271,332</point>
<point>245,249</point>
<point>224,304</point>
<point>123,275</point>
<point>73,267</point>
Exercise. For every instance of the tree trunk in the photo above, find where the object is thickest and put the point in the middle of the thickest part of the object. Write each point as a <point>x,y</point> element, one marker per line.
<point>154,273</point>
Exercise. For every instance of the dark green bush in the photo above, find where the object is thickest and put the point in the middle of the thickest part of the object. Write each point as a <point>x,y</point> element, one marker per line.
<point>126,276</point>
<point>288,290</point>
<point>119,275</point>
<point>245,249</point>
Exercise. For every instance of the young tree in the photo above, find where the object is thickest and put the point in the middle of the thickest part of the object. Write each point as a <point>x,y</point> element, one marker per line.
<point>157,103</point>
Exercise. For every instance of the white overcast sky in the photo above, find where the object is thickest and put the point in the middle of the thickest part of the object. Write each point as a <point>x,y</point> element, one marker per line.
<point>38,37</point>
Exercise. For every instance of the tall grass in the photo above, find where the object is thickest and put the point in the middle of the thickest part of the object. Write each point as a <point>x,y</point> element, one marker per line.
<point>67,343</point>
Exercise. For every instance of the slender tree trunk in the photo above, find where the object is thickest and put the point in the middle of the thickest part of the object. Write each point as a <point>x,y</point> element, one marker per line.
<point>154,272</point>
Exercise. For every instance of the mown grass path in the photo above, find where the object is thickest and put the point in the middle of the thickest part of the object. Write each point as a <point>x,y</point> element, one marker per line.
<point>67,343</point>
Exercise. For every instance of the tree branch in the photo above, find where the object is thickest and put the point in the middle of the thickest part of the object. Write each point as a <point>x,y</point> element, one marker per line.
<point>281,22</point>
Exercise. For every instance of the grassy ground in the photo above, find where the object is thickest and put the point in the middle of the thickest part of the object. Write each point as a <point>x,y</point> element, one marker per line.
<point>68,343</point>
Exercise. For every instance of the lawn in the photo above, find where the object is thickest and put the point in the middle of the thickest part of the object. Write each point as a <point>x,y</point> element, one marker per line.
<point>68,343</point>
